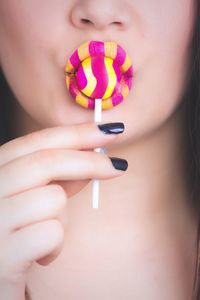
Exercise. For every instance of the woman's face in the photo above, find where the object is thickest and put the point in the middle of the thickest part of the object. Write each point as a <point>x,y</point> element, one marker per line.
<point>37,38</point>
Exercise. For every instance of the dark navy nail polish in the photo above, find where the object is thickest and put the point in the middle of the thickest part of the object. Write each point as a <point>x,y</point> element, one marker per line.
<point>119,164</point>
<point>112,128</point>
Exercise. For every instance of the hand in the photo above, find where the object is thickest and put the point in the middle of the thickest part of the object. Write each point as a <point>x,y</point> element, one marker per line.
<point>32,198</point>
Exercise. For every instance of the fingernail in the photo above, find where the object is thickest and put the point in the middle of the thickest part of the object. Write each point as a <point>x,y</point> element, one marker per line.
<point>119,164</point>
<point>112,128</point>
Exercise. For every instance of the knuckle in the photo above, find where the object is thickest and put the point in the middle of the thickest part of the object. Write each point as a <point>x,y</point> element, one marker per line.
<point>57,230</point>
<point>82,134</point>
<point>58,195</point>
<point>78,135</point>
<point>77,131</point>
<point>95,163</point>
<point>50,232</point>
<point>42,160</point>
<point>19,144</point>
<point>43,156</point>
<point>34,137</point>
<point>29,139</point>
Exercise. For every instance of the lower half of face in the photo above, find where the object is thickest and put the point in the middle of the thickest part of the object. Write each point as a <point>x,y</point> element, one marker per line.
<point>36,40</point>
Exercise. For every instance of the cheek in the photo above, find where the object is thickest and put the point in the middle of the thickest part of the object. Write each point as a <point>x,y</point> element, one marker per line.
<point>27,52</point>
<point>161,77</point>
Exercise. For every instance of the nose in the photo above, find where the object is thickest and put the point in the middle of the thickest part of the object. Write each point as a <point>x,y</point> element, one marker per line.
<point>101,14</point>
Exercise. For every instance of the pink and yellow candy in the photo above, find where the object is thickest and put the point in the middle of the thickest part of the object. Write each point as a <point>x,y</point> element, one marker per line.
<point>99,70</point>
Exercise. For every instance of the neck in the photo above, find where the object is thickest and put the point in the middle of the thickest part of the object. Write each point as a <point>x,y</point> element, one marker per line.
<point>156,181</point>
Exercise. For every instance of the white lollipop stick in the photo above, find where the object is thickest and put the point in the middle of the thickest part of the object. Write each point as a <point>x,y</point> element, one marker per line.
<point>95,183</point>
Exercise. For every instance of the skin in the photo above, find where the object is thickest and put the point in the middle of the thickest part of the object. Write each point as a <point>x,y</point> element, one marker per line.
<point>137,236</point>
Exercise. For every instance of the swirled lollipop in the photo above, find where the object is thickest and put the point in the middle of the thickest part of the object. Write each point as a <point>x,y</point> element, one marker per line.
<point>99,70</point>
<point>99,76</point>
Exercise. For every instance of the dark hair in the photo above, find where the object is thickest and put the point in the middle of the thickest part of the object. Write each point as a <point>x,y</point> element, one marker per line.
<point>191,103</point>
<point>6,112</point>
<point>192,114</point>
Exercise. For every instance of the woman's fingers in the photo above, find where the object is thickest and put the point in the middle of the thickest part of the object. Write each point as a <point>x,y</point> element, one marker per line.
<point>33,206</point>
<point>81,136</point>
<point>42,167</point>
<point>33,202</point>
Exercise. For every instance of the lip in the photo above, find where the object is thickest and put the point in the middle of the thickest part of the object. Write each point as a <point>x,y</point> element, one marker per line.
<point>92,49</point>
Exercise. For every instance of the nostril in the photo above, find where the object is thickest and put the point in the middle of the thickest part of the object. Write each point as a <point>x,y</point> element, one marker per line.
<point>89,22</point>
<point>119,24</point>
<point>86,21</point>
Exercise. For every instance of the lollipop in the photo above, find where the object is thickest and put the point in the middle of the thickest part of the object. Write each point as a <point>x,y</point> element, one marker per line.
<point>99,76</point>
<point>99,70</point>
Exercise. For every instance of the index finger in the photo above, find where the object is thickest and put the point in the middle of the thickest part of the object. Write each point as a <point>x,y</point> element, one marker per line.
<point>80,136</point>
